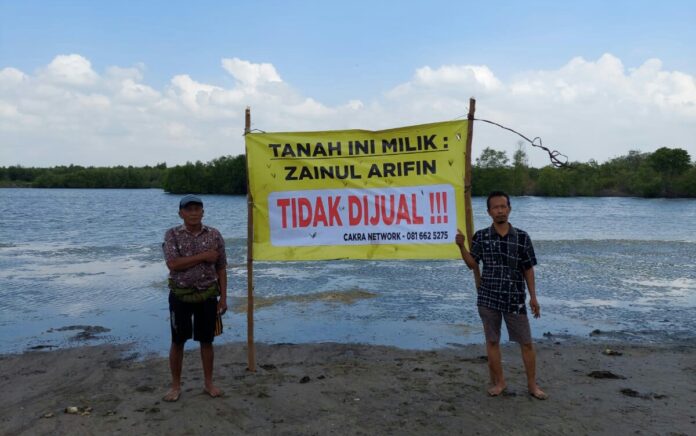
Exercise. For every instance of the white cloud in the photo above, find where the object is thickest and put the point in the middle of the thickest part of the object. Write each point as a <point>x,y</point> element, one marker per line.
<point>118,73</point>
<point>10,77</point>
<point>250,74</point>
<point>70,70</point>
<point>8,111</point>
<point>137,92</point>
<point>457,75</point>
<point>192,94</point>
<point>68,113</point>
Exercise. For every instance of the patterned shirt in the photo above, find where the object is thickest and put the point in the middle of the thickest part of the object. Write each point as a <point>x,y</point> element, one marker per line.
<point>179,242</point>
<point>505,258</point>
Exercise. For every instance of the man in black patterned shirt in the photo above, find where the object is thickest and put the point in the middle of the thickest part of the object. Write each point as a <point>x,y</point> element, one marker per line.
<point>508,264</point>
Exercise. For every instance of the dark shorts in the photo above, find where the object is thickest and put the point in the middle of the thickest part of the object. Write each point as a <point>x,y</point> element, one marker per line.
<point>195,320</point>
<point>517,325</point>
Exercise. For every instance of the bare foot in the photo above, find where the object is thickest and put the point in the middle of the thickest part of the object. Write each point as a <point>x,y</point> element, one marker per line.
<point>496,390</point>
<point>172,395</point>
<point>213,391</point>
<point>537,393</point>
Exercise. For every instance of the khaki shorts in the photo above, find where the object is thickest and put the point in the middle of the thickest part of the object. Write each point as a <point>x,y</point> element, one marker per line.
<point>517,325</point>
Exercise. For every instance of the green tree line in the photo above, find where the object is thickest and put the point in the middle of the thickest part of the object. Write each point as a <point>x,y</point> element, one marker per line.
<point>224,175</point>
<point>75,176</point>
<point>666,172</point>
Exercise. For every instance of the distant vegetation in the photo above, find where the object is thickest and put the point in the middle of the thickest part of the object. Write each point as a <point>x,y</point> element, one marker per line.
<point>667,172</point>
<point>224,175</point>
<point>75,176</point>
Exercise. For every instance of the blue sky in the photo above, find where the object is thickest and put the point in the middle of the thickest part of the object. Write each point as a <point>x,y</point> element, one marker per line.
<point>331,54</point>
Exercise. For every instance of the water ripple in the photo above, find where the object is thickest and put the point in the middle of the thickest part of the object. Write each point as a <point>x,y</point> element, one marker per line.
<point>94,258</point>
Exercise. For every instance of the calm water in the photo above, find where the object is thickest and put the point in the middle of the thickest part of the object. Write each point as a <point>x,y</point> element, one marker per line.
<point>92,257</point>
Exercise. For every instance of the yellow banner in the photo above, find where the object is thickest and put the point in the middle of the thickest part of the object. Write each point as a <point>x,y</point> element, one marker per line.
<point>358,194</point>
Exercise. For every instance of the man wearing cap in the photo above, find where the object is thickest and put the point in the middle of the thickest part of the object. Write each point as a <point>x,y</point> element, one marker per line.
<point>195,256</point>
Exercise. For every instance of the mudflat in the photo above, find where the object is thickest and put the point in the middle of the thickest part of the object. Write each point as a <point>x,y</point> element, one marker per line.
<point>594,387</point>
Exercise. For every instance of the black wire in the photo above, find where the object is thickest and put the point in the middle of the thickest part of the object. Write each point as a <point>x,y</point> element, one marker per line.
<point>253,130</point>
<point>553,154</point>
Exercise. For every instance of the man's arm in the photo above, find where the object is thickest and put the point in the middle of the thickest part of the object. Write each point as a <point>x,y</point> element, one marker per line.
<point>183,263</point>
<point>221,269</point>
<point>531,286</point>
<point>222,282</point>
<point>468,258</point>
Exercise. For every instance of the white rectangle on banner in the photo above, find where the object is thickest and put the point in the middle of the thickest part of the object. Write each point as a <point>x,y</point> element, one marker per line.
<point>405,215</point>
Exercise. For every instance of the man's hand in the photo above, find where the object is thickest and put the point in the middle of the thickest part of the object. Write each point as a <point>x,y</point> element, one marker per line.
<point>459,240</point>
<point>184,263</point>
<point>536,309</point>
<point>210,256</point>
<point>222,306</point>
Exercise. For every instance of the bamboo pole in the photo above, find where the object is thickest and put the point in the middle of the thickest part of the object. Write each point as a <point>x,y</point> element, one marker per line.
<point>251,350</point>
<point>468,210</point>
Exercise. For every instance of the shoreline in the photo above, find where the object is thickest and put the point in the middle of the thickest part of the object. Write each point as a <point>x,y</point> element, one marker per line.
<point>73,336</point>
<point>602,194</point>
<point>332,388</point>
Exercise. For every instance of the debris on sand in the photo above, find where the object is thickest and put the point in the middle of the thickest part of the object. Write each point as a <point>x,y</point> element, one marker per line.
<point>635,394</point>
<point>82,411</point>
<point>42,347</point>
<point>88,331</point>
<point>605,375</point>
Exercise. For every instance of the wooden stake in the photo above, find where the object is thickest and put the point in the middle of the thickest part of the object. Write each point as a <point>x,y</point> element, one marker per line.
<point>468,210</point>
<point>251,350</point>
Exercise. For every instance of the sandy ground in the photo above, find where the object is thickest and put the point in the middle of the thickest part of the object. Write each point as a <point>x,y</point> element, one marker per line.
<point>353,389</point>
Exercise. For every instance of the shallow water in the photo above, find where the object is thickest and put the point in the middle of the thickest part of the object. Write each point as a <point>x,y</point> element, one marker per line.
<point>92,257</point>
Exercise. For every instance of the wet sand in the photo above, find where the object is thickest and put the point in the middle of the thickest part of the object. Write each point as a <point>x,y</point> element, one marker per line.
<point>353,389</point>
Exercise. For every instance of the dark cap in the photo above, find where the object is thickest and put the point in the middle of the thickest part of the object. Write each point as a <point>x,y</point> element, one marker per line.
<point>188,199</point>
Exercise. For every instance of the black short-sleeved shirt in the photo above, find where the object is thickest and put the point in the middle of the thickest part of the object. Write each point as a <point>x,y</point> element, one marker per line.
<point>504,258</point>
